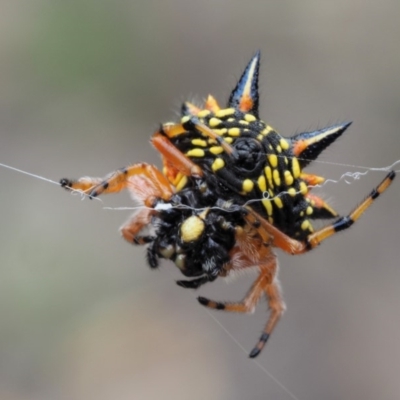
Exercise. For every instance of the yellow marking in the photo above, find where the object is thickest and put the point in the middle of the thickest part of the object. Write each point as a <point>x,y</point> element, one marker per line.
<point>247,185</point>
<point>270,147</point>
<point>212,141</point>
<point>268,174</point>
<point>220,131</point>
<point>195,153</point>
<point>303,188</point>
<point>205,130</point>
<point>246,130</point>
<point>279,149</point>
<point>284,144</point>
<point>182,183</point>
<point>203,113</point>
<point>309,210</point>
<point>262,184</point>
<point>242,122</point>
<point>271,193</point>
<point>265,131</point>
<point>225,112</point>
<point>268,206</point>
<point>230,119</point>
<point>185,119</point>
<point>295,167</point>
<point>234,132</point>
<point>270,220</point>
<point>214,122</point>
<point>250,118</point>
<point>277,178</point>
<point>228,139</point>
<point>216,150</point>
<point>288,178</point>
<point>199,142</point>
<point>305,225</point>
<point>286,160</point>
<point>301,213</point>
<point>192,228</point>
<point>260,137</point>
<point>292,192</point>
<point>273,160</point>
<point>278,202</point>
<point>218,164</point>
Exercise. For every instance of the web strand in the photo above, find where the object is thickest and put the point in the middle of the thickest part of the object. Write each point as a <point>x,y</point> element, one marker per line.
<point>352,175</point>
<point>347,175</point>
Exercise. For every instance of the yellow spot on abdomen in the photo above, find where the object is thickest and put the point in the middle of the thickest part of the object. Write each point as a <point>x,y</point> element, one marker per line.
<point>292,192</point>
<point>192,228</point>
<point>185,119</point>
<point>268,174</point>
<point>234,132</point>
<point>262,184</point>
<point>218,164</point>
<point>250,118</point>
<point>277,178</point>
<point>216,150</point>
<point>309,210</point>
<point>225,112</point>
<point>203,113</point>
<point>247,185</point>
<point>273,160</point>
<point>220,131</point>
<point>295,167</point>
<point>278,202</point>
<point>303,188</point>
<point>214,122</point>
<point>199,142</point>
<point>306,225</point>
<point>284,144</point>
<point>288,178</point>
<point>268,206</point>
<point>195,153</point>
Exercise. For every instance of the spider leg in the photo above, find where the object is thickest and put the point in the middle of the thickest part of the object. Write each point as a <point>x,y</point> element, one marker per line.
<point>195,283</point>
<point>277,307</point>
<point>121,179</point>
<point>292,246</point>
<point>343,223</point>
<point>267,284</point>
<point>248,304</point>
<point>132,227</point>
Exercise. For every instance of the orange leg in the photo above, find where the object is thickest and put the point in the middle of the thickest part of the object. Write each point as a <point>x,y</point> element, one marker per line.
<point>181,162</point>
<point>292,246</point>
<point>267,284</point>
<point>132,177</point>
<point>132,227</point>
<point>276,307</point>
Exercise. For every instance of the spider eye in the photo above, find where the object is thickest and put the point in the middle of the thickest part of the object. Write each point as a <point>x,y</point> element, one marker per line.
<point>247,159</point>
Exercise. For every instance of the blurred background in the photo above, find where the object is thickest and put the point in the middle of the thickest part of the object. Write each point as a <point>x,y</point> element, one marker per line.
<point>83,86</point>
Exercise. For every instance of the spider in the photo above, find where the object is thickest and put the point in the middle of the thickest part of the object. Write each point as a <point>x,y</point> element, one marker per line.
<point>231,191</point>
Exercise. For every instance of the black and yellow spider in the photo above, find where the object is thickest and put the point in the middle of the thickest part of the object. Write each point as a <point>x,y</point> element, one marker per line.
<point>231,190</point>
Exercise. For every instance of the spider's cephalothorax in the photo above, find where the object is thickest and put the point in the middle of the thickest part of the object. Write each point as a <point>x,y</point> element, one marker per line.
<point>230,191</point>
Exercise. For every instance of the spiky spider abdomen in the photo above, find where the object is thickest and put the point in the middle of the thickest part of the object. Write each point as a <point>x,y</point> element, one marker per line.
<point>231,191</point>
